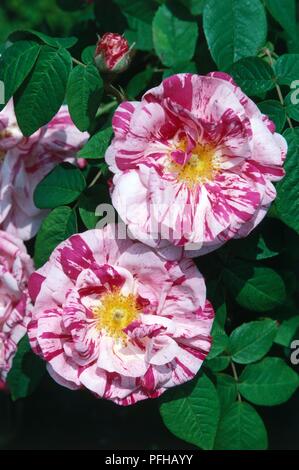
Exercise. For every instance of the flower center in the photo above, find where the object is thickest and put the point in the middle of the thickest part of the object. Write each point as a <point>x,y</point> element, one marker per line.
<point>200,165</point>
<point>115,313</point>
<point>5,134</point>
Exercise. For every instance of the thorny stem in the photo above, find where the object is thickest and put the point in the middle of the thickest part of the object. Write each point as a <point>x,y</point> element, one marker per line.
<point>236,378</point>
<point>106,108</point>
<point>96,178</point>
<point>77,62</point>
<point>278,89</point>
<point>94,181</point>
<point>113,91</point>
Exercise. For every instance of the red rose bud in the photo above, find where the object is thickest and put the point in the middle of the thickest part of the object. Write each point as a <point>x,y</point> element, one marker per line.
<point>113,53</point>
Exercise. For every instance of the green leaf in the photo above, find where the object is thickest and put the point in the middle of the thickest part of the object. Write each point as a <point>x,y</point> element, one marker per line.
<point>269,382</point>
<point>187,67</point>
<point>60,224</point>
<point>256,288</point>
<point>219,363</point>
<point>220,342</point>
<point>16,63</point>
<point>234,29</point>
<point>42,93</point>
<point>287,331</point>
<point>284,13</point>
<point>61,186</point>
<point>137,8</point>
<point>253,75</point>
<point>139,82</point>
<point>275,111</point>
<point>292,104</point>
<point>191,412</point>
<point>241,428</point>
<point>88,203</point>
<point>227,390</point>
<point>174,39</point>
<point>251,341</point>
<point>140,33</point>
<point>67,43</point>
<point>195,6</point>
<point>97,144</point>
<point>287,69</point>
<point>26,372</point>
<point>84,93</point>
<point>287,201</point>
<point>88,55</point>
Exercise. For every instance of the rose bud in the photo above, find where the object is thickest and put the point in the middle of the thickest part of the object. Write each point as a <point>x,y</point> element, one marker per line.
<point>113,53</point>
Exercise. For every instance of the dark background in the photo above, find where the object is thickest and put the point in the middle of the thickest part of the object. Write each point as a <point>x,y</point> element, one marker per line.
<point>57,418</point>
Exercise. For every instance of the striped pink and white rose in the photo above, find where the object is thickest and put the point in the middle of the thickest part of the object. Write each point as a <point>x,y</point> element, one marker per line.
<point>194,162</point>
<point>119,318</point>
<point>24,162</point>
<point>15,307</point>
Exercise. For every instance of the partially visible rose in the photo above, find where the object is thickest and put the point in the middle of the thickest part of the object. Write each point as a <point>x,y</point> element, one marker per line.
<point>113,53</point>
<point>24,162</point>
<point>15,308</point>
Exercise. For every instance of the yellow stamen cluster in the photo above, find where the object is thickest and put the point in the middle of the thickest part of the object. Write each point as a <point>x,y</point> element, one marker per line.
<point>4,135</point>
<point>203,165</point>
<point>116,312</point>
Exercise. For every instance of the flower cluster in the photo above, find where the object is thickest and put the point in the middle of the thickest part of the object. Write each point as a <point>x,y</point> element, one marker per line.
<point>194,164</point>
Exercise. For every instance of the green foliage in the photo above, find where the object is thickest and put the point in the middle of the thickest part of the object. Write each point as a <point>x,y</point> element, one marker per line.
<point>287,331</point>
<point>16,63</point>
<point>241,428</point>
<point>174,39</point>
<point>253,75</point>
<point>292,109</point>
<point>287,202</point>
<point>251,341</point>
<point>192,412</point>
<point>269,382</point>
<point>287,69</point>
<point>97,144</point>
<point>255,287</point>
<point>26,373</point>
<point>88,203</point>
<point>42,93</point>
<point>139,82</point>
<point>84,93</point>
<point>44,38</point>
<point>61,186</point>
<point>226,390</point>
<point>284,13</point>
<point>234,29</point>
<point>60,224</point>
